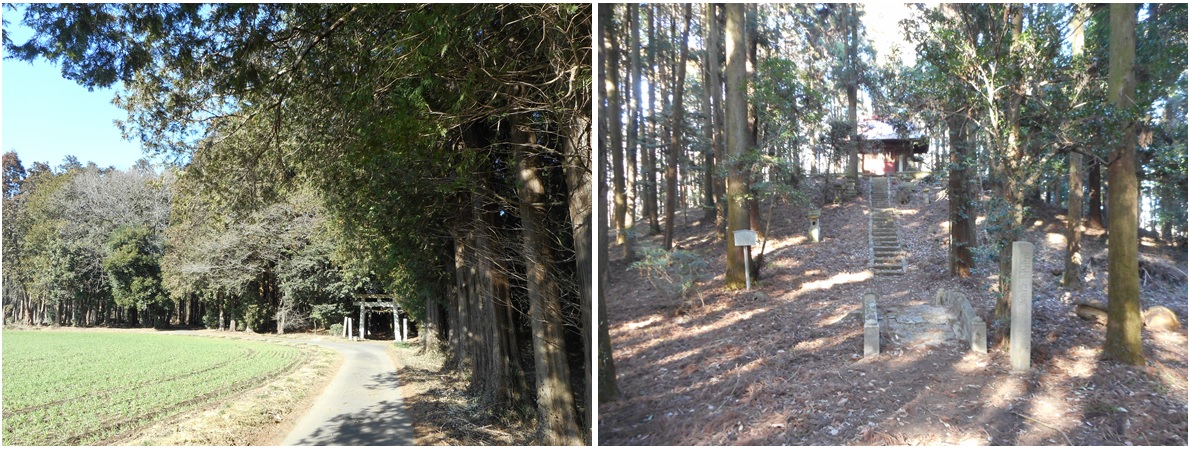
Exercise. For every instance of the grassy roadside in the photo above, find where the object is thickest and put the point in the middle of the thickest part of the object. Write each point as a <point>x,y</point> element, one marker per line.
<point>258,417</point>
<point>441,412</point>
<point>114,385</point>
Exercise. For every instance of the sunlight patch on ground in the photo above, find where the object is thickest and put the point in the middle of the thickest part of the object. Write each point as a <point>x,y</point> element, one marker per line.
<point>838,316</point>
<point>1083,361</point>
<point>1003,391</point>
<point>841,278</point>
<point>779,244</point>
<point>972,362</point>
<point>1055,240</point>
<point>1052,406</point>
<point>696,239</point>
<point>822,342</point>
<point>643,323</point>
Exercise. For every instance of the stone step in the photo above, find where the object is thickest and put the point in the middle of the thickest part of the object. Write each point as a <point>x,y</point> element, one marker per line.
<point>888,273</point>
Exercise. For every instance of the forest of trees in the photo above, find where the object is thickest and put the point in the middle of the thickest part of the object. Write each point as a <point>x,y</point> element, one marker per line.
<point>437,153</point>
<point>1025,105</point>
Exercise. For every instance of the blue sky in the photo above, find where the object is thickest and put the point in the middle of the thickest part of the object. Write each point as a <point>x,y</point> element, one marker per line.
<point>46,117</point>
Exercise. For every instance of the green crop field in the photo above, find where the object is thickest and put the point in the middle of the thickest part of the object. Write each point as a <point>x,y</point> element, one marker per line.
<point>82,388</point>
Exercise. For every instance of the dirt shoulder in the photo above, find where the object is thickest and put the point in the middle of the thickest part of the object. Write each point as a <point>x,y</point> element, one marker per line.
<point>783,364</point>
<point>258,417</point>
<point>441,412</point>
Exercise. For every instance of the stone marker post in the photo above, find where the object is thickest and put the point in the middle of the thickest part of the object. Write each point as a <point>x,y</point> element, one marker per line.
<point>396,329</point>
<point>871,326</point>
<point>814,228</point>
<point>1021,344</point>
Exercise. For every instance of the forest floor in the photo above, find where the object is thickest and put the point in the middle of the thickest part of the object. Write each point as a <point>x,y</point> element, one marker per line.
<point>440,409</point>
<point>782,364</point>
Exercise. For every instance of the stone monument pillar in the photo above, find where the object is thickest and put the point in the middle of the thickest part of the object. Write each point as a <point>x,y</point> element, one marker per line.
<point>1021,344</point>
<point>814,228</point>
<point>871,326</point>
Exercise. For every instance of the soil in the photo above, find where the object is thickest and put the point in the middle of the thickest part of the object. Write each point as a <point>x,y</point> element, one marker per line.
<point>441,411</point>
<point>783,363</point>
<point>261,416</point>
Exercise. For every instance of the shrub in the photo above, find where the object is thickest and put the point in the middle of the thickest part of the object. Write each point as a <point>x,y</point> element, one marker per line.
<point>673,272</point>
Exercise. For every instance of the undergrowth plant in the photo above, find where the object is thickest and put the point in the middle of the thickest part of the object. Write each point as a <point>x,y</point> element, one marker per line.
<point>673,272</point>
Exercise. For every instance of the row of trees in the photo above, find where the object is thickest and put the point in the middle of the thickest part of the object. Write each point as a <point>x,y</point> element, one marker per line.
<point>1014,98</point>
<point>82,243</point>
<point>1027,93</point>
<point>90,246</point>
<point>437,152</point>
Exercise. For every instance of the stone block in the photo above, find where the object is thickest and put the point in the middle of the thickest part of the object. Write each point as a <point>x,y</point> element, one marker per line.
<point>966,325</point>
<point>871,326</point>
<point>979,336</point>
<point>1020,334</point>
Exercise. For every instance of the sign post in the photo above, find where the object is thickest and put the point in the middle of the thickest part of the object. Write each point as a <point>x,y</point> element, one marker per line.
<point>746,238</point>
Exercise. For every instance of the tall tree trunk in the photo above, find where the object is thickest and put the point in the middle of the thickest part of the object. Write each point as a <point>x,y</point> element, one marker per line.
<point>708,121</point>
<point>737,138</point>
<point>557,419</point>
<point>634,119</point>
<point>675,131</point>
<point>715,82</point>
<point>1123,342</point>
<point>1072,276</point>
<point>577,151</point>
<point>607,370</point>
<point>650,167</point>
<point>754,222</point>
<point>1010,187</point>
<point>852,86</point>
<point>612,93</point>
<point>1095,202</point>
<point>962,207</point>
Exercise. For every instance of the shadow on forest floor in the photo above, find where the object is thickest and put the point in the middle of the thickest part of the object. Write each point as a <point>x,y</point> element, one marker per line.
<point>783,364</point>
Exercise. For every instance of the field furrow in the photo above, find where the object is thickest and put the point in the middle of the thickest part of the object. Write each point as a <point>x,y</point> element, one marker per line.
<point>95,387</point>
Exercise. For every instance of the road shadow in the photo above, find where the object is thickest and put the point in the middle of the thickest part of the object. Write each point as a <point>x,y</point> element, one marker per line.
<point>384,424</point>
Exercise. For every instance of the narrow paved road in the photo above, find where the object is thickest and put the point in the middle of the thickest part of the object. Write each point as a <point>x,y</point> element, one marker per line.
<point>362,406</point>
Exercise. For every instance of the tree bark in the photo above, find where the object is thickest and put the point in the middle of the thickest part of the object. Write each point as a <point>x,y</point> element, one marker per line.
<point>557,418</point>
<point>715,81</point>
<point>709,123</point>
<point>737,138</point>
<point>577,150</point>
<point>962,207</point>
<point>1095,202</point>
<point>852,82</point>
<point>650,152</point>
<point>634,119</point>
<point>675,131</point>
<point>612,94</point>
<point>1072,276</point>
<point>607,368</point>
<point>1123,342</point>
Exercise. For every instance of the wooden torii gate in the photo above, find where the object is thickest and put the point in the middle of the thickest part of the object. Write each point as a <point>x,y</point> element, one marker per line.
<point>400,330</point>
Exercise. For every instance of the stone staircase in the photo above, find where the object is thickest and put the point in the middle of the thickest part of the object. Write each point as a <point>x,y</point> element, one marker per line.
<point>887,257</point>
